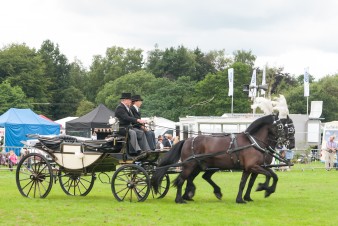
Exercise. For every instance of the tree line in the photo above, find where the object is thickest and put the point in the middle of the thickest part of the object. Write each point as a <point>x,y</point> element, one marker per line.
<point>174,82</point>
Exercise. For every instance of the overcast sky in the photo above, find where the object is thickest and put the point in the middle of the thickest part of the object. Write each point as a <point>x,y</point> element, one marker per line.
<point>293,34</point>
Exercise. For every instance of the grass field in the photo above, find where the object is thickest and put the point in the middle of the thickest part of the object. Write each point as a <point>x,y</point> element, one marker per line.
<point>306,195</point>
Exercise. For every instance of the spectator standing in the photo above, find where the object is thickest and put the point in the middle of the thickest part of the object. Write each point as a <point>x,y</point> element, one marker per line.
<point>331,148</point>
<point>159,144</point>
<point>12,159</point>
<point>289,157</point>
<point>176,140</point>
<point>167,142</point>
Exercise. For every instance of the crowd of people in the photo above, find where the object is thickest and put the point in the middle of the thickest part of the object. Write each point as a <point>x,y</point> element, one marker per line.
<point>9,159</point>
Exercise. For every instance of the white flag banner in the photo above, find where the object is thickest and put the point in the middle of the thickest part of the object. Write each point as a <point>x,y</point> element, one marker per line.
<point>252,91</point>
<point>306,82</point>
<point>231,81</point>
<point>263,81</point>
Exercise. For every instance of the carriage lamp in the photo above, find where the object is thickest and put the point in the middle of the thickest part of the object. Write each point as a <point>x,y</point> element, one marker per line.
<point>151,124</point>
<point>115,124</point>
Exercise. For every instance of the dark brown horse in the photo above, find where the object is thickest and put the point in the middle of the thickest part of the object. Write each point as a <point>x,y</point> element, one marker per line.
<point>250,151</point>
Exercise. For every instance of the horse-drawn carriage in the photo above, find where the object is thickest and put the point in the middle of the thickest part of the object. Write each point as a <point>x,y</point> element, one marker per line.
<point>77,163</point>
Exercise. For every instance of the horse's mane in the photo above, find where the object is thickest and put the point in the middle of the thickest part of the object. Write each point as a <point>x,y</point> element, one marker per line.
<point>259,123</point>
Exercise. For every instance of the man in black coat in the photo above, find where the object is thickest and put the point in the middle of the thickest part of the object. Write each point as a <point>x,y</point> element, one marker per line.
<point>137,139</point>
<point>167,142</point>
<point>135,109</point>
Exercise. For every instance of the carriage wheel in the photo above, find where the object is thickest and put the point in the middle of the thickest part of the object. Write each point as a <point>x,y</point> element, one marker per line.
<point>34,176</point>
<point>163,188</point>
<point>76,184</point>
<point>131,182</point>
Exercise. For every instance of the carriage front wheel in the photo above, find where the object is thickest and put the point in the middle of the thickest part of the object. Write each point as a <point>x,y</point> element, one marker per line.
<point>131,182</point>
<point>76,184</point>
<point>34,176</point>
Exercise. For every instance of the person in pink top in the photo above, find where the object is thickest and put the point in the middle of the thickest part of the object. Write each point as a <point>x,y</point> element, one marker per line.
<point>12,160</point>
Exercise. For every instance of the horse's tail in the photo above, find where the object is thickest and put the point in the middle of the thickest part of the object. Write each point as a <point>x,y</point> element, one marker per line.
<point>170,158</point>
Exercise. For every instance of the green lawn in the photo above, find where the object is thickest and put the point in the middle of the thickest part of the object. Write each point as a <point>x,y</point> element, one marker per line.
<point>306,195</point>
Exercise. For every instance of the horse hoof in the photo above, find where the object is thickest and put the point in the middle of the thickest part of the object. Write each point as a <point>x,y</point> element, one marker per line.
<point>187,198</point>
<point>240,202</point>
<point>219,195</point>
<point>181,202</point>
<point>260,187</point>
<point>267,194</point>
<point>248,199</point>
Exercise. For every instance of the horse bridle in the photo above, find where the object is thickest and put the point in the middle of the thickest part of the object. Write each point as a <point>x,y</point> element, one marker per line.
<point>289,129</point>
<point>284,132</point>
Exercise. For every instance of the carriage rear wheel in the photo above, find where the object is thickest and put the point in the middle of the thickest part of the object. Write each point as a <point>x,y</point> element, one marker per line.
<point>163,188</point>
<point>76,184</point>
<point>34,176</point>
<point>131,182</point>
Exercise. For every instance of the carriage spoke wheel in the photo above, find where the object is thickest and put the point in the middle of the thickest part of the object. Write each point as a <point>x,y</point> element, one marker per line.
<point>34,176</point>
<point>76,184</point>
<point>130,182</point>
<point>163,188</point>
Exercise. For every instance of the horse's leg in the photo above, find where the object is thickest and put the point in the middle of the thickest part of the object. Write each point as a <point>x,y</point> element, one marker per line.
<point>250,185</point>
<point>190,188</point>
<point>265,185</point>
<point>244,178</point>
<point>272,188</point>
<point>268,173</point>
<point>179,181</point>
<point>207,176</point>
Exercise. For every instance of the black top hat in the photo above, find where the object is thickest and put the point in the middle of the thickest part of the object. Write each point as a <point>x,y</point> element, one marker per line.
<point>136,98</point>
<point>125,96</point>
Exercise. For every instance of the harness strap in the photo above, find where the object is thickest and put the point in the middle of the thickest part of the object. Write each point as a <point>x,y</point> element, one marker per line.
<point>192,147</point>
<point>275,154</point>
<point>255,143</point>
<point>269,150</point>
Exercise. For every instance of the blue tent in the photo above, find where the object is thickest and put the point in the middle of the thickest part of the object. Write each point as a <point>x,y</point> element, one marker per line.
<point>20,122</point>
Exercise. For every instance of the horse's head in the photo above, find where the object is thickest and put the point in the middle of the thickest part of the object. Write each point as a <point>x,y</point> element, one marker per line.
<point>289,130</point>
<point>283,131</point>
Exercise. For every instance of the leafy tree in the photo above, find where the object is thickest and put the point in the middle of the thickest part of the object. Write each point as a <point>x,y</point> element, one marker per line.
<point>323,90</point>
<point>12,97</point>
<point>210,62</point>
<point>300,79</point>
<point>172,63</point>
<point>95,78</point>
<point>245,57</point>
<point>219,60</point>
<point>57,70</point>
<point>70,102</point>
<point>23,67</point>
<point>120,61</point>
<point>171,100</point>
<point>212,93</point>
<point>78,75</point>
<point>139,82</point>
<point>278,81</point>
<point>84,107</point>
<point>116,63</point>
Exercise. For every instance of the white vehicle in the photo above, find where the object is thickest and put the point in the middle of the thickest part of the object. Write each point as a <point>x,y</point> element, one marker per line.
<point>330,129</point>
